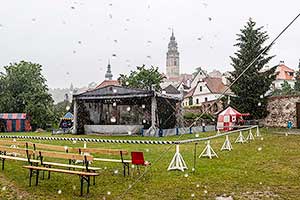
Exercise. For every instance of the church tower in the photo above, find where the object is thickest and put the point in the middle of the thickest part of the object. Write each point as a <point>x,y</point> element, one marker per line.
<point>108,75</point>
<point>172,58</point>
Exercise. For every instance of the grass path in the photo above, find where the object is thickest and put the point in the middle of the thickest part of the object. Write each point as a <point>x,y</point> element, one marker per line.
<point>267,168</point>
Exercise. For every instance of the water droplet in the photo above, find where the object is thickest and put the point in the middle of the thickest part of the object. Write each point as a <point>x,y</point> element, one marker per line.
<point>186,175</point>
<point>74,187</point>
<point>68,108</point>
<point>3,188</point>
<point>72,7</point>
<point>105,167</point>
<point>132,166</point>
<point>197,135</point>
<point>127,19</point>
<point>74,51</point>
<point>110,16</point>
<point>209,18</point>
<point>113,119</point>
<point>114,55</point>
<point>127,83</point>
<point>259,149</point>
<point>205,191</point>
<point>259,104</point>
<point>114,90</point>
<point>144,121</point>
<point>193,169</point>
<point>192,195</point>
<point>129,186</point>
<point>129,133</point>
<point>116,41</point>
<point>260,183</point>
<point>110,4</point>
<point>149,57</point>
<point>33,19</point>
<point>128,108</point>
<point>74,141</point>
<point>108,192</point>
<point>116,171</point>
<point>79,42</point>
<point>197,185</point>
<point>147,150</point>
<point>143,106</point>
<point>59,191</point>
<point>114,104</point>
<point>262,138</point>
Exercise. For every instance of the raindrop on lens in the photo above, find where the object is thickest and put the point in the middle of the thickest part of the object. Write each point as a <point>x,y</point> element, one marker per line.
<point>128,109</point>
<point>129,133</point>
<point>59,191</point>
<point>197,135</point>
<point>262,138</point>
<point>259,148</point>
<point>113,119</point>
<point>197,185</point>
<point>186,175</point>
<point>108,193</point>
<point>116,171</point>
<point>3,188</point>
<point>205,191</point>
<point>193,195</point>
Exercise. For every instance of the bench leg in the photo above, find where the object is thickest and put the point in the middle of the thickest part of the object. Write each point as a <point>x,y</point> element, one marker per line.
<point>88,185</point>
<point>3,161</point>
<point>30,176</point>
<point>49,173</point>
<point>81,185</point>
<point>37,177</point>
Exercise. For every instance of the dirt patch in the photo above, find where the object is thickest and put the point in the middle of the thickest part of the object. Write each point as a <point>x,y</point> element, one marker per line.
<point>8,190</point>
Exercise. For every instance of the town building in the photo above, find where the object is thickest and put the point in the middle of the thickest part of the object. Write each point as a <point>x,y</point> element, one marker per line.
<point>283,73</point>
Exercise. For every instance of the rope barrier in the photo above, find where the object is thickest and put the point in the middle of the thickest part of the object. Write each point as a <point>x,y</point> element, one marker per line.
<point>124,141</point>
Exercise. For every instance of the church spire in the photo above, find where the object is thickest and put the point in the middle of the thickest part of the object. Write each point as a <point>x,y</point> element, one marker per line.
<point>172,68</point>
<point>108,75</point>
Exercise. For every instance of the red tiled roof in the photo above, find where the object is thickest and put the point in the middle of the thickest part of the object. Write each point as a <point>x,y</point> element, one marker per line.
<point>191,92</point>
<point>215,85</point>
<point>283,72</point>
<point>108,82</point>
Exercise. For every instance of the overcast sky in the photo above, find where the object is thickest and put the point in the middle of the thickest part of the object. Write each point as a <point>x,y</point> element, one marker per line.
<point>73,40</point>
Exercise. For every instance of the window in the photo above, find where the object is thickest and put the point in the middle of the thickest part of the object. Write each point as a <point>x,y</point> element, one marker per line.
<point>175,62</point>
<point>200,88</point>
<point>205,99</point>
<point>190,101</point>
<point>197,101</point>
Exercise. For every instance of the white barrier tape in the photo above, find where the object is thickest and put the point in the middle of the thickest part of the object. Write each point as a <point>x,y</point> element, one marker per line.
<point>125,141</point>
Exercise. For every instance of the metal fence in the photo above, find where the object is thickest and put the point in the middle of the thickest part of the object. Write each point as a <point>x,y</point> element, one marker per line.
<point>181,131</point>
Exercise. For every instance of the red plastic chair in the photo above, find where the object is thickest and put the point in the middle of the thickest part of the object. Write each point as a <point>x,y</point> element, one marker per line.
<point>137,158</point>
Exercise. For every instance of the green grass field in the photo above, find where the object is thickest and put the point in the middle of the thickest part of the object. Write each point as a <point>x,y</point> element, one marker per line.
<point>262,169</point>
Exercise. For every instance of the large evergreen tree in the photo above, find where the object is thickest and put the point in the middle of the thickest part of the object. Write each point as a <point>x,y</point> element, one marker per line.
<point>24,90</point>
<point>250,89</point>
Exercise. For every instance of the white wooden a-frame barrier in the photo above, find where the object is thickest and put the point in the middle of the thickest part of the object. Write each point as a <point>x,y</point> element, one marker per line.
<point>250,136</point>
<point>227,145</point>
<point>208,151</point>
<point>257,132</point>
<point>240,139</point>
<point>177,162</point>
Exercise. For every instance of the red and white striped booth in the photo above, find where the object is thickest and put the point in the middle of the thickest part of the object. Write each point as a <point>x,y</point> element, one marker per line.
<point>228,118</point>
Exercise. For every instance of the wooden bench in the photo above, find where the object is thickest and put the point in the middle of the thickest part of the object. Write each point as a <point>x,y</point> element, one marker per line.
<point>108,152</point>
<point>17,154</point>
<point>84,176</point>
<point>50,154</point>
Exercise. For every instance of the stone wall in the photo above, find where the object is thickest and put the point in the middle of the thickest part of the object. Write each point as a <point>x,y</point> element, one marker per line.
<point>281,110</point>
